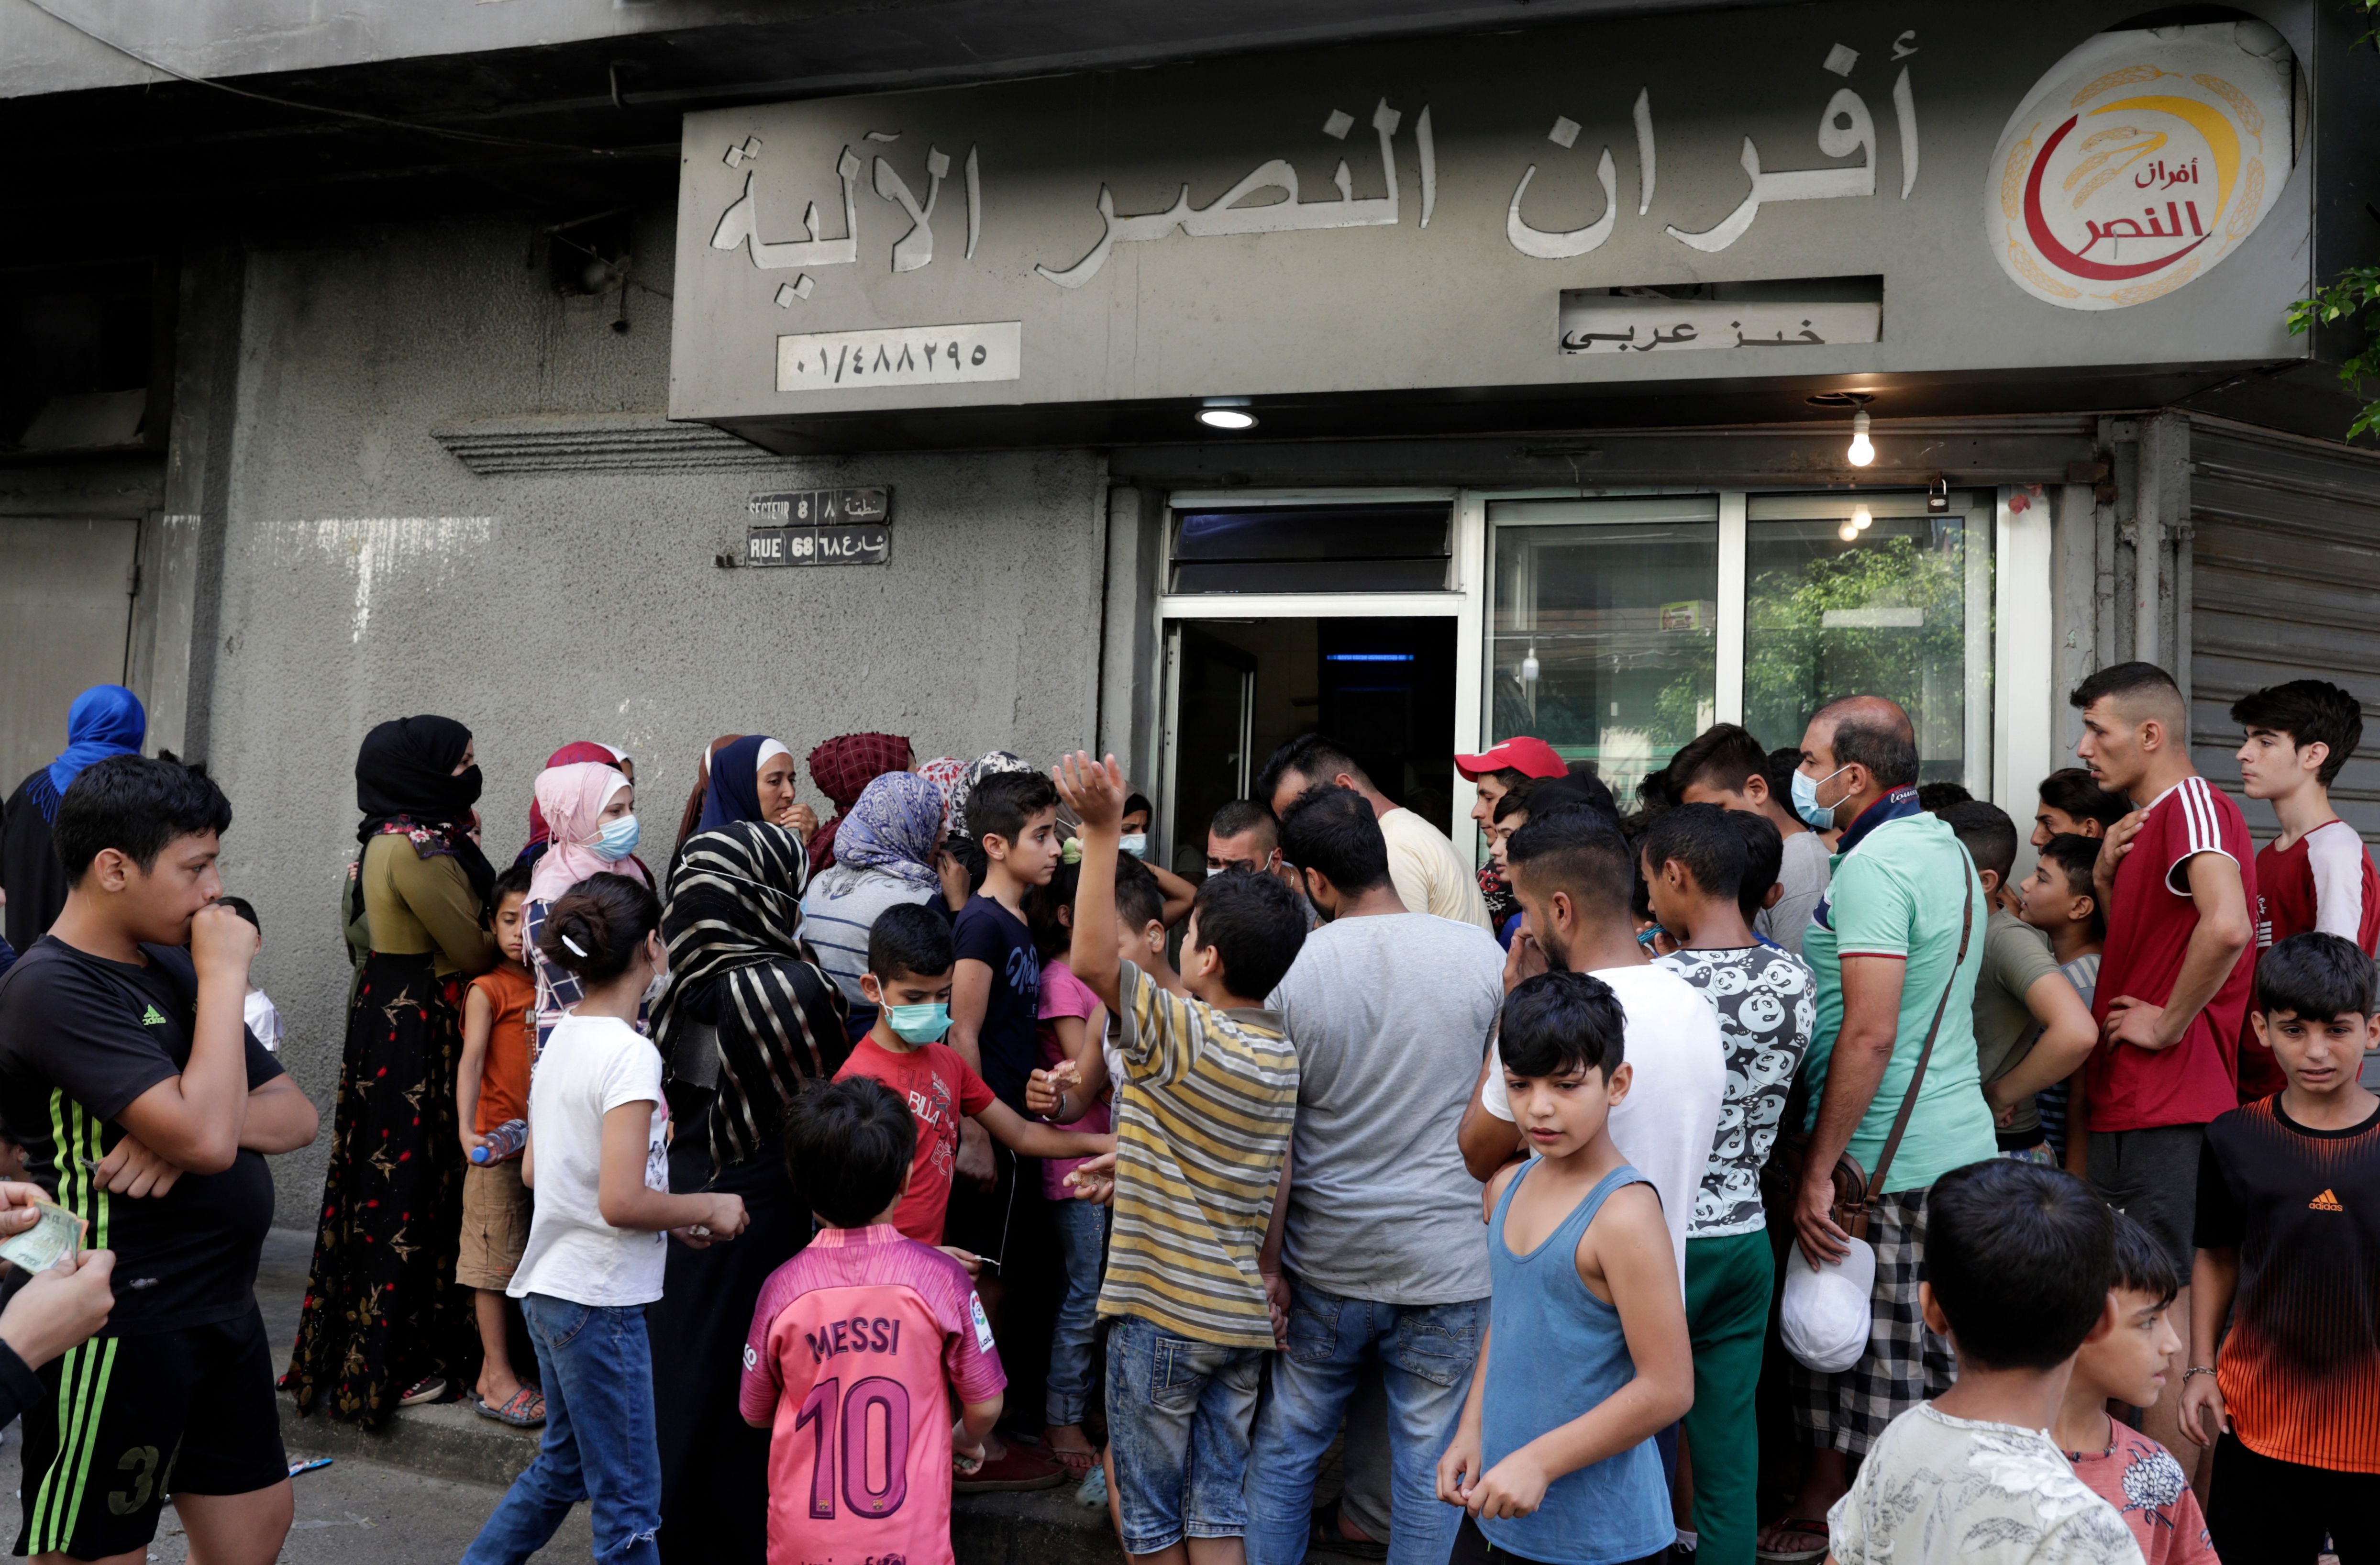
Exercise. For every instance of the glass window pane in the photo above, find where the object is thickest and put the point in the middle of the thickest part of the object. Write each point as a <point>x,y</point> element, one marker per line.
<point>1388,547</point>
<point>1885,611</point>
<point>1603,642</point>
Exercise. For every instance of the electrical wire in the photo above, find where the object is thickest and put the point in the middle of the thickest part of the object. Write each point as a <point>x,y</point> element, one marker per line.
<point>481,136</point>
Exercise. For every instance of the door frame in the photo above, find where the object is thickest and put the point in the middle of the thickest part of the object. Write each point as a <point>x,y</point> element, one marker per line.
<point>1463,601</point>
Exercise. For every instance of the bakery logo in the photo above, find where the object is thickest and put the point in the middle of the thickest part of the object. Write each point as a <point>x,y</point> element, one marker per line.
<point>2141,161</point>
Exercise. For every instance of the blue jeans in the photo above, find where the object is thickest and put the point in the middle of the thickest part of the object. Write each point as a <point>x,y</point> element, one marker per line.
<point>1082,1244</point>
<point>598,1371</point>
<point>1425,1352</point>
<point>1178,1416</point>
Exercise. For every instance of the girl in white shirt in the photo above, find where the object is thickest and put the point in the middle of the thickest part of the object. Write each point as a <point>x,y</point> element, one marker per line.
<point>596,1161</point>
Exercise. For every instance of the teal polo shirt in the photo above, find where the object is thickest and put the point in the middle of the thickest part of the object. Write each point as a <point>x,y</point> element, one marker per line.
<point>1896,892</point>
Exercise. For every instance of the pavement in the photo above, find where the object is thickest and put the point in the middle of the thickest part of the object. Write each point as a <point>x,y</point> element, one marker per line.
<point>418,1490</point>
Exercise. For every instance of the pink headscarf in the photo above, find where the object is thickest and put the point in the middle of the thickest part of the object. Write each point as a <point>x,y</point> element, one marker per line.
<point>584,751</point>
<point>572,799</point>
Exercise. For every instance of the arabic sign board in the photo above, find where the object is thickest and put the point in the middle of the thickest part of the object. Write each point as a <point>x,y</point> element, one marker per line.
<point>860,543</point>
<point>1400,215</point>
<point>823,507</point>
<point>1603,323</point>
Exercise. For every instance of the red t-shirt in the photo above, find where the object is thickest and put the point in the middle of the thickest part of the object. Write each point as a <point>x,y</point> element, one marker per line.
<point>2323,881</point>
<point>503,1074</point>
<point>2148,931</point>
<point>855,1348</point>
<point>2150,1491</point>
<point>940,1091</point>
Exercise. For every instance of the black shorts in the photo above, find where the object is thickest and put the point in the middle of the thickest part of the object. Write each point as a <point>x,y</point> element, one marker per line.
<point>104,1446</point>
<point>2151,1176</point>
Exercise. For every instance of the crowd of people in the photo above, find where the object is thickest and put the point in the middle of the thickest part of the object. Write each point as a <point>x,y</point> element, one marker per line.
<point>1745,1170</point>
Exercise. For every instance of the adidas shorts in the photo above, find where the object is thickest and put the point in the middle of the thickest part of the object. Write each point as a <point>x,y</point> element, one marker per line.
<point>104,1447</point>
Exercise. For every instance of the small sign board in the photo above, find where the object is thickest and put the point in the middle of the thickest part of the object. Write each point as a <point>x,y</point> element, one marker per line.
<point>819,526</point>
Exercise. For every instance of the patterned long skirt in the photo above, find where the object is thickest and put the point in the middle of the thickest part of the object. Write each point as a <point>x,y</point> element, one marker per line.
<point>383,1309</point>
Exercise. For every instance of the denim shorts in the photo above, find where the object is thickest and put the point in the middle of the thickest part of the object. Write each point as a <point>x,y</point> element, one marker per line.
<point>1179,1414</point>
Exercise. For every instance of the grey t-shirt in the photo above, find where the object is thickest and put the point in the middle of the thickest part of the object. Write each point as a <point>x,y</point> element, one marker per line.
<point>2016,957</point>
<point>1389,1016</point>
<point>1803,873</point>
<point>839,909</point>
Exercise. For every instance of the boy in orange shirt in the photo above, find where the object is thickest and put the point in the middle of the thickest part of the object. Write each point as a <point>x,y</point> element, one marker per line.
<point>492,1090</point>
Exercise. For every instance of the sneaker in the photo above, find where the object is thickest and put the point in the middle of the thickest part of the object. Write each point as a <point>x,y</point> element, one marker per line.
<point>426,1390</point>
<point>1016,1468</point>
<point>1092,1493</point>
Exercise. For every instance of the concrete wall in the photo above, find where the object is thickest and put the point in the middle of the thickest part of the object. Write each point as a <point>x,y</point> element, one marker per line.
<point>368,574</point>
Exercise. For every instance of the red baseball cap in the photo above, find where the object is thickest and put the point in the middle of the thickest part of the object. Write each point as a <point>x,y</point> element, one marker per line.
<point>1530,757</point>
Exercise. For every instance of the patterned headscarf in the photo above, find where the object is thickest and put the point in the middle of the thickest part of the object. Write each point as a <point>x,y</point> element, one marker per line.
<point>842,768</point>
<point>733,921</point>
<point>893,828</point>
<point>989,765</point>
<point>946,772</point>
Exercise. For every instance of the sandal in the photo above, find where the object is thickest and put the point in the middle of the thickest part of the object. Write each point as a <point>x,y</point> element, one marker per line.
<point>1076,1461</point>
<point>1793,1527</point>
<point>526,1410</point>
<point>428,1388</point>
<point>1324,1532</point>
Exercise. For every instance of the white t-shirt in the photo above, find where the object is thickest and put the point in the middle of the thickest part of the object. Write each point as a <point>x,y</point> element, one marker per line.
<point>591,1066</point>
<point>1667,1124</point>
<point>1430,876</point>
<point>1935,1487</point>
<point>263,1020</point>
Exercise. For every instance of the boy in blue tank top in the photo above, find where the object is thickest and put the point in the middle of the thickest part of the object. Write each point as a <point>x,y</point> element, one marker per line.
<point>1561,1468</point>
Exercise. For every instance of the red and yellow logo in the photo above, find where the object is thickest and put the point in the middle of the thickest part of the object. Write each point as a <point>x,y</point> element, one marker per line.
<point>2141,160</point>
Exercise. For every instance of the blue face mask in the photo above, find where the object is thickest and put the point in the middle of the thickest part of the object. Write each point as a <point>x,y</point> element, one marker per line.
<point>616,840</point>
<point>919,1023</point>
<point>1135,843</point>
<point>1805,799</point>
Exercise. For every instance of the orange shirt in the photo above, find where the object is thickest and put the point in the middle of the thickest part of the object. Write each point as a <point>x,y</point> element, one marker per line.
<point>504,1075</point>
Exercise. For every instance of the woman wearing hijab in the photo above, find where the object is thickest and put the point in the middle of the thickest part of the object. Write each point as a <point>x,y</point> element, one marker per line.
<point>584,751</point>
<point>747,1021</point>
<point>842,768</point>
<point>105,721</point>
<point>591,813</point>
<point>384,1324</point>
<point>885,854</point>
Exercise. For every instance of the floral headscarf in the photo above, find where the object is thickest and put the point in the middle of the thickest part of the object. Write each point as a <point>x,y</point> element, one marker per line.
<point>989,765</point>
<point>946,772</point>
<point>893,828</point>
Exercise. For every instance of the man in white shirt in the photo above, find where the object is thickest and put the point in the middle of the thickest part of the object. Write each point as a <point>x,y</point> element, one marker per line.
<point>1571,872</point>
<point>1724,765</point>
<point>1430,875</point>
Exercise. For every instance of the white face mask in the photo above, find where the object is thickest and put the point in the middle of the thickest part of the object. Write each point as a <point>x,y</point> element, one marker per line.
<point>1135,843</point>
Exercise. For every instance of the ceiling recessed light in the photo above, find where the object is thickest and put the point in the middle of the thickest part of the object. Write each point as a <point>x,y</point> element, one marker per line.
<point>1227,417</point>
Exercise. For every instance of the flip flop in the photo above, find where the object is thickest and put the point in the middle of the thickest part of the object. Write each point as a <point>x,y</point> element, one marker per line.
<point>1807,1528</point>
<point>526,1410</point>
<point>1075,1463</point>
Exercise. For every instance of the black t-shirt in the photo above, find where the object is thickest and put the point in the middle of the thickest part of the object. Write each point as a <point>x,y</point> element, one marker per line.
<point>1011,1037</point>
<point>2301,1368</point>
<point>81,1039</point>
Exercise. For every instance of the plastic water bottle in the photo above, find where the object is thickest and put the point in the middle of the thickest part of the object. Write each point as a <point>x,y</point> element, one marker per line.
<point>505,1141</point>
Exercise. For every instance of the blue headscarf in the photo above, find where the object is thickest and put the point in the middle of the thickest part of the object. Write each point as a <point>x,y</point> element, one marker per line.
<point>892,827</point>
<point>105,721</point>
<point>735,791</point>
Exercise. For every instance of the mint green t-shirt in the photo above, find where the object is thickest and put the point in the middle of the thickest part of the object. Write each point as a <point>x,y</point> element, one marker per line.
<point>1897,895</point>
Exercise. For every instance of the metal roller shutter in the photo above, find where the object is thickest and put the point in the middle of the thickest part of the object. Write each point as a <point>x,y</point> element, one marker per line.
<point>2286,585</point>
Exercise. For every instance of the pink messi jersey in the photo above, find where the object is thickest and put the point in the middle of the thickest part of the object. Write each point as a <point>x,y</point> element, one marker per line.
<point>853,1350</point>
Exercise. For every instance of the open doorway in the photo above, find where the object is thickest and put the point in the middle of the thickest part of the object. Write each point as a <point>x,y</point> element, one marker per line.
<point>1384,688</point>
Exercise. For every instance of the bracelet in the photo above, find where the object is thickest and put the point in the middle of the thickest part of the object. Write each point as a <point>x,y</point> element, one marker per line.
<point>2196,1369</point>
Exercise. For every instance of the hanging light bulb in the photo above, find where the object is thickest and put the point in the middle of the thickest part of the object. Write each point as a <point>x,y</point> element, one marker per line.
<point>1849,532</point>
<point>1861,518</point>
<point>1862,451</point>
<point>1529,665</point>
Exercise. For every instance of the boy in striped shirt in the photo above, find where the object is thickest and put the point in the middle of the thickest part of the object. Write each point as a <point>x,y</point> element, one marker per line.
<point>1204,1110</point>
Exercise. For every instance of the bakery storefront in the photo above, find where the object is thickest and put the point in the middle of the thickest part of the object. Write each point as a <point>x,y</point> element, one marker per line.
<point>1597,383</point>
